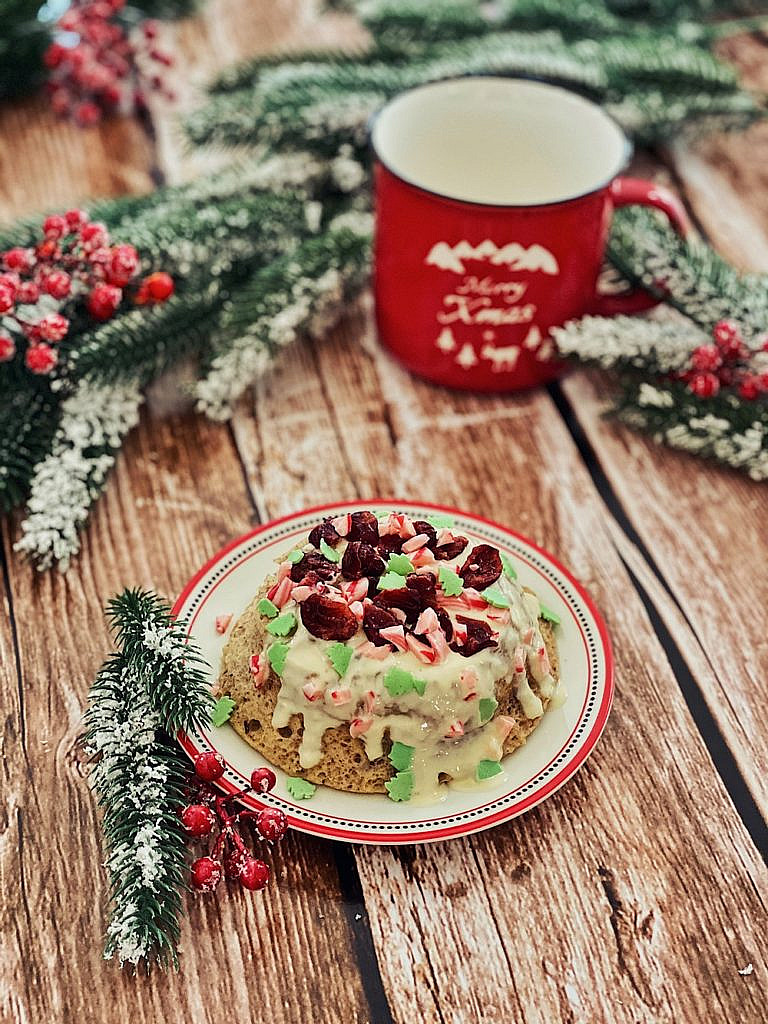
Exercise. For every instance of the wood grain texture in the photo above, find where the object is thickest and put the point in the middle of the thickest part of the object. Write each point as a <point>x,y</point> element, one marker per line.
<point>579,910</point>
<point>177,495</point>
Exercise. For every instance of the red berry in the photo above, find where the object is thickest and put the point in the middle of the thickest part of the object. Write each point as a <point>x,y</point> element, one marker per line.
<point>57,284</point>
<point>54,226</point>
<point>53,327</point>
<point>87,113</point>
<point>704,385</point>
<point>28,292</point>
<point>206,874</point>
<point>263,780</point>
<point>726,331</point>
<point>94,235</point>
<point>749,386</point>
<point>60,101</point>
<point>159,286</point>
<point>6,298</point>
<point>706,358</point>
<point>54,55</point>
<point>19,259</point>
<point>103,301</point>
<point>48,250</point>
<point>209,766</point>
<point>40,358</point>
<point>763,381</point>
<point>124,262</point>
<point>75,218</point>
<point>272,823</point>
<point>198,820</point>
<point>234,863</point>
<point>11,279</point>
<point>7,348</point>
<point>254,874</point>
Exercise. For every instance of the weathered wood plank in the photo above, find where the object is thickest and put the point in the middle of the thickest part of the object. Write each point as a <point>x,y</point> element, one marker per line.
<point>177,495</point>
<point>582,909</point>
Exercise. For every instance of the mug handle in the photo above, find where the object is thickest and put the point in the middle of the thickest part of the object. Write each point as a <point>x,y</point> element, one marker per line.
<point>636,191</point>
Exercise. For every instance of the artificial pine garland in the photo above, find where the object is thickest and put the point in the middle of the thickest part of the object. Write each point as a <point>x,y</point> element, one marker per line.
<point>268,249</point>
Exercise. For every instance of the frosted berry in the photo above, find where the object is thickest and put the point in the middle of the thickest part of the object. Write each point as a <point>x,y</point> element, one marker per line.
<point>54,226</point>
<point>6,298</point>
<point>749,386</point>
<point>704,385</point>
<point>159,286</point>
<point>198,820</point>
<point>728,339</point>
<point>87,113</point>
<point>234,863</point>
<point>123,264</point>
<point>94,235</point>
<point>57,284</point>
<point>40,358</point>
<point>103,301</point>
<point>271,823</point>
<point>53,327</point>
<point>263,780</point>
<point>254,874</point>
<point>706,358</point>
<point>206,874</point>
<point>75,218</point>
<point>28,292</point>
<point>7,348</point>
<point>19,259</point>
<point>54,55</point>
<point>209,766</point>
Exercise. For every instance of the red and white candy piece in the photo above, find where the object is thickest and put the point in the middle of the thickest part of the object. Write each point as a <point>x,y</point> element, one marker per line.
<point>444,536</point>
<point>300,593</point>
<point>468,683</point>
<point>396,636</point>
<point>342,524</point>
<point>222,622</point>
<point>259,666</point>
<point>359,726</point>
<point>357,610</point>
<point>415,543</point>
<point>474,599</point>
<point>399,524</point>
<point>504,726</point>
<point>422,558</point>
<point>426,622</point>
<point>519,660</point>
<point>355,590</point>
<point>282,592</point>
<point>341,696</point>
<point>313,691</point>
<point>422,651</point>
<point>456,729</point>
<point>370,650</point>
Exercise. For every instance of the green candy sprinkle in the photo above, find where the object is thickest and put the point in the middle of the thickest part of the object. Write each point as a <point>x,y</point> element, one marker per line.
<point>329,552</point>
<point>266,607</point>
<point>401,787</point>
<point>494,596</point>
<point>450,581</point>
<point>486,707</point>
<point>487,770</point>
<point>277,654</point>
<point>419,685</point>
<point>283,624</point>
<point>401,756</point>
<point>509,570</point>
<point>400,564</point>
<point>441,522</point>
<point>300,789</point>
<point>295,556</point>
<point>340,656</point>
<point>398,682</point>
<point>222,709</point>
<point>391,581</point>
<point>548,614</point>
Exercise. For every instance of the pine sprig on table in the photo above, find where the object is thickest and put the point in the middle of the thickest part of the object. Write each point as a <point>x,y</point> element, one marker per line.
<point>146,691</point>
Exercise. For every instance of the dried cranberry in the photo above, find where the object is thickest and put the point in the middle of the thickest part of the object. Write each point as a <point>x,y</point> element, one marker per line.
<point>361,559</point>
<point>314,562</point>
<point>448,551</point>
<point>324,531</point>
<point>479,636</point>
<point>391,544</point>
<point>404,598</point>
<point>365,527</point>
<point>425,585</point>
<point>445,621</point>
<point>422,526</point>
<point>482,567</point>
<point>328,619</point>
<point>375,619</point>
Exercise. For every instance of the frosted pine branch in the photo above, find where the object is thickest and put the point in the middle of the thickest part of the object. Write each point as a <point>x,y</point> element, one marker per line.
<point>630,342</point>
<point>94,420</point>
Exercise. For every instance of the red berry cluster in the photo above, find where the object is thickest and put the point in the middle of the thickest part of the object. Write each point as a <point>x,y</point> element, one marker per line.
<point>229,855</point>
<point>74,259</point>
<point>104,70</point>
<point>725,363</point>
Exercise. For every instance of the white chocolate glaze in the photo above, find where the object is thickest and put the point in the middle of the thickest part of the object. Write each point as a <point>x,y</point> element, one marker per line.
<point>443,726</point>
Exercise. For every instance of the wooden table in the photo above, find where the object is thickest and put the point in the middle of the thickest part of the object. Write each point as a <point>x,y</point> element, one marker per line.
<point>637,893</point>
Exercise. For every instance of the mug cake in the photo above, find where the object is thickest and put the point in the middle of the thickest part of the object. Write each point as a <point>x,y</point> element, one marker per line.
<point>391,655</point>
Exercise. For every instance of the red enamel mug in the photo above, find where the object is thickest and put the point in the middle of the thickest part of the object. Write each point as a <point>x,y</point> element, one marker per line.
<point>493,201</point>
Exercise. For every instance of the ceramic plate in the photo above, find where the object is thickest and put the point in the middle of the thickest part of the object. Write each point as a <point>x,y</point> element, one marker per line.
<point>553,753</point>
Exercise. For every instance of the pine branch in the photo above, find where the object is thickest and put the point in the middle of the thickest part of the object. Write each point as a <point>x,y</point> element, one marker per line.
<point>688,276</point>
<point>140,698</point>
<point>28,420</point>
<point>654,346</point>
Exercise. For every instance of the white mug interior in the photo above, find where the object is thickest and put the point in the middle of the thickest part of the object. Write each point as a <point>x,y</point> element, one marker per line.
<point>499,141</point>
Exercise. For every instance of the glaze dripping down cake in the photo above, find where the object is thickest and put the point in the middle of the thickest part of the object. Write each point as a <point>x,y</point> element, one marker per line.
<point>390,655</point>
